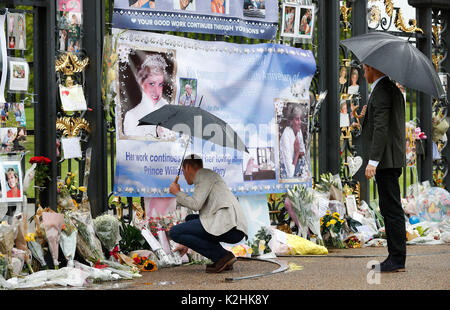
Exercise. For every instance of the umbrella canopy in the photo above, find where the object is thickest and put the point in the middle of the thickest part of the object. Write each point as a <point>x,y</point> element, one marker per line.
<point>398,59</point>
<point>179,118</point>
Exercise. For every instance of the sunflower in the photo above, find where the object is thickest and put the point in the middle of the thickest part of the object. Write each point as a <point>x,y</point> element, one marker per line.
<point>149,265</point>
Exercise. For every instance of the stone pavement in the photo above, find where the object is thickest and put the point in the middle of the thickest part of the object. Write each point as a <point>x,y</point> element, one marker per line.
<point>427,268</point>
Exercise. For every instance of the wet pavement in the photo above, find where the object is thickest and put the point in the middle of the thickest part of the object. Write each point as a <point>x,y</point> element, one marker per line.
<point>427,268</point>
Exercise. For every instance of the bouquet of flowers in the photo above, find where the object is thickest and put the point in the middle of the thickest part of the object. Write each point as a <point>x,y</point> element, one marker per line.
<point>164,259</point>
<point>68,240</point>
<point>131,239</point>
<point>352,242</point>
<point>331,226</point>
<point>36,249</point>
<point>6,239</point>
<point>144,263</point>
<point>107,229</point>
<point>53,224</point>
<point>163,223</point>
<point>88,245</point>
<point>41,174</point>
<point>304,206</point>
<point>4,270</point>
<point>259,246</point>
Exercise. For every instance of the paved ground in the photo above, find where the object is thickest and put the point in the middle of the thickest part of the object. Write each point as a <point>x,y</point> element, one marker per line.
<point>427,268</point>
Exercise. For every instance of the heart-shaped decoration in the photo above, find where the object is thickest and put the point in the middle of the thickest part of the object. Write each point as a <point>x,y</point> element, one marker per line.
<point>65,93</point>
<point>133,20</point>
<point>354,163</point>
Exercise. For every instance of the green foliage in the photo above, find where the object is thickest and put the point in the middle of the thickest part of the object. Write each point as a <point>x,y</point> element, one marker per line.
<point>132,239</point>
<point>260,242</point>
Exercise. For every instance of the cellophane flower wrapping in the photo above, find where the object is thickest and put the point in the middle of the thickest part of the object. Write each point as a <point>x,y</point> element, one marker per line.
<point>88,244</point>
<point>53,223</point>
<point>29,177</point>
<point>164,260</point>
<point>6,239</point>
<point>176,255</point>
<point>4,270</point>
<point>19,257</point>
<point>306,209</point>
<point>68,240</point>
<point>107,229</point>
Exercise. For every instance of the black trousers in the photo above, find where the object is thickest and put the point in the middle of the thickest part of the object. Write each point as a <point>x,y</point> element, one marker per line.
<point>392,212</point>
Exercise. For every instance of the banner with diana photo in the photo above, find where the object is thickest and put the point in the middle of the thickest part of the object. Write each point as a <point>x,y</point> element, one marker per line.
<point>261,91</point>
<point>256,19</point>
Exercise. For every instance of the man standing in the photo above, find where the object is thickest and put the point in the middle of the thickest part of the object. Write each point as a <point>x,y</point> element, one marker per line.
<point>220,218</point>
<point>383,138</point>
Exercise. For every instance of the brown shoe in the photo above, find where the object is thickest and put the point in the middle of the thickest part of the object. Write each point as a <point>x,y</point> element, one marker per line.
<point>222,264</point>
<point>211,267</point>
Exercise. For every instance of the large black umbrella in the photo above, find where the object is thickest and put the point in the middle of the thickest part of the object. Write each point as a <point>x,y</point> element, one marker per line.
<point>196,122</point>
<point>398,59</point>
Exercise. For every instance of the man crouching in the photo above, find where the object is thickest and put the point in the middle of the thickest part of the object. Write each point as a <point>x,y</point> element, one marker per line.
<point>220,218</point>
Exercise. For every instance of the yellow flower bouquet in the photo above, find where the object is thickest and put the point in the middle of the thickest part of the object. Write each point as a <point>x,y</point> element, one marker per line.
<point>331,227</point>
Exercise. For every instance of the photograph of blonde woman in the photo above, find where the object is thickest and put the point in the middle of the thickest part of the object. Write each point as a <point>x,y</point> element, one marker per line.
<point>148,85</point>
<point>12,180</point>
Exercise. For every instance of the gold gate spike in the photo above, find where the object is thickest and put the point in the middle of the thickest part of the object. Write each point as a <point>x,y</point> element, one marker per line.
<point>71,127</point>
<point>69,64</point>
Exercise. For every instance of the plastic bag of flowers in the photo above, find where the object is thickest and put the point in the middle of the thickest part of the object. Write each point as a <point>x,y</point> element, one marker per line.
<point>53,223</point>
<point>6,240</point>
<point>68,240</point>
<point>36,249</point>
<point>4,270</point>
<point>107,229</point>
<point>302,201</point>
<point>95,273</point>
<point>164,260</point>
<point>88,245</point>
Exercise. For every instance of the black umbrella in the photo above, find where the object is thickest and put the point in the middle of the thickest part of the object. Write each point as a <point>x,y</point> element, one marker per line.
<point>398,59</point>
<point>180,118</point>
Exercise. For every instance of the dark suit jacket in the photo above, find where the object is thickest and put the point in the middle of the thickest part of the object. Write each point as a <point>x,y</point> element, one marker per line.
<point>383,130</point>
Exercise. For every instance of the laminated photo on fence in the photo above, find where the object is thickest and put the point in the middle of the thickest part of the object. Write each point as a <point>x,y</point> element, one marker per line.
<point>292,120</point>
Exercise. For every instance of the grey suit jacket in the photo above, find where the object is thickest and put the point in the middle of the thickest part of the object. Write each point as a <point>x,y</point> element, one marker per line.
<point>383,130</point>
<point>218,208</point>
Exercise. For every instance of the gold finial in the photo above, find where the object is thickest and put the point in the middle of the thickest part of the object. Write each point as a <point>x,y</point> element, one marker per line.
<point>71,127</point>
<point>345,11</point>
<point>69,64</point>
<point>400,23</point>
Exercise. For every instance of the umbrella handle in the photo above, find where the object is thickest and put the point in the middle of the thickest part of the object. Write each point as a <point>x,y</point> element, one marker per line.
<point>176,179</point>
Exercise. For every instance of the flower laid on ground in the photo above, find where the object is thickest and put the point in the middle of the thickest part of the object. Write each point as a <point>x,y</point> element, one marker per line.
<point>331,226</point>
<point>259,244</point>
<point>242,250</point>
<point>353,242</point>
<point>144,263</point>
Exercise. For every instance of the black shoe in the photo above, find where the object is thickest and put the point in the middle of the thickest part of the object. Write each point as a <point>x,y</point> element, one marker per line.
<point>390,266</point>
<point>380,264</point>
